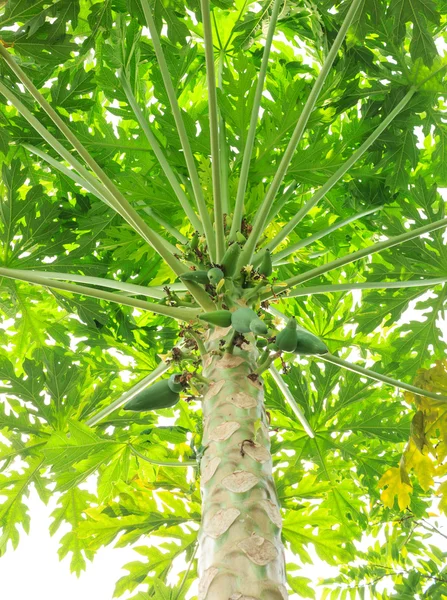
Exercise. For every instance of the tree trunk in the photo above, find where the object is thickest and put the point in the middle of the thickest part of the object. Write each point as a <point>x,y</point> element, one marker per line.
<point>241,556</point>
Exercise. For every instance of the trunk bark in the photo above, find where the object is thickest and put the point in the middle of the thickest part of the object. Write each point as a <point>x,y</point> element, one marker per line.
<point>241,556</point>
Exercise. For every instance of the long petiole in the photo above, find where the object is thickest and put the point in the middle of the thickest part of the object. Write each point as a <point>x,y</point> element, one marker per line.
<point>179,313</point>
<point>242,186</point>
<point>320,234</point>
<point>164,463</point>
<point>56,145</point>
<point>91,185</point>
<point>123,208</point>
<point>373,285</point>
<point>130,288</point>
<point>169,228</point>
<point>170,175</point>
<point>116,199</point>
<point>65,130</point>
<point>185,576</point>
<point>291,401</point>
<point>189,158</point>
<point>345,260</point>
<point>379,377</point>
<point>214,129</point>
<point>96,188</point>
<point>340,172</point>
<point>200,345</point>
<point>223,146</point>
<point>286,195</point>
<point>264,209</point>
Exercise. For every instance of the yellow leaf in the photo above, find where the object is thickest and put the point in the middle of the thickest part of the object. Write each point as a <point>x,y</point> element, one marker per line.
<point>442,491</point>
<point>421,464</point>
<point>394,487</point>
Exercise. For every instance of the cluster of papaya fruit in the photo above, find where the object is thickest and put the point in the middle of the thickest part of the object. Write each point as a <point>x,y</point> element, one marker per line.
<point>243,320</point>
<point>227,268</point>
<point>163,394</point>
<point>290,339</point>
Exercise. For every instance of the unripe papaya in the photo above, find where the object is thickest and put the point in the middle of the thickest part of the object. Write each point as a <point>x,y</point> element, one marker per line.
<point>174,383</point>
<point>153,397</point>
<point>261,343</point>
<point>230,259</point>
<point>195,276</point>
<point>286,339</point>
<point>266,266</point>
<point>258,326</point>
<point>221,318</point>
<point>215,275</point>
<point>242,318</point>
<point>194,242</point>
<point>240,237</point>
<point>308,343</point>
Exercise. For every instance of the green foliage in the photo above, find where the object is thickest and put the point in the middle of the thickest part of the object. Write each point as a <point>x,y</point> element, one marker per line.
<point>359,478</point>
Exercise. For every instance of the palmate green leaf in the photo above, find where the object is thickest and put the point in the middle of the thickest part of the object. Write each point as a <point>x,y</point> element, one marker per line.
<point>33,14</point>
<point>21,11</point>
<point>404,152</point>
<point>245,30</point>
<point>299,529</point>
<point>420,13</point>
<point>64,451</point>
<point>65,93</point>
<point>236,97</point>
<point>70,510</point>
<point>14,487</point>
<point>300,585</point>
<point>157,559</point>
<point>41,45</point>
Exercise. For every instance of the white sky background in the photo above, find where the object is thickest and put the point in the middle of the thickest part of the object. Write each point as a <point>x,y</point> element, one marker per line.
<point>34,570</point>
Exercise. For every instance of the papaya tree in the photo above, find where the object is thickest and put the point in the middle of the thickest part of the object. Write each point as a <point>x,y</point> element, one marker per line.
<point>223,259</point>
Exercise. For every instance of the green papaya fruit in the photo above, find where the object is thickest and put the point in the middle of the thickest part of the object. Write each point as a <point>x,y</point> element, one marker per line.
<point>194,242</point>
<point>195,276</point>
<point>230,259</point>
<point>215,275</point>
<point>266,266</point>
<point>242,318</point>
<point>286,339</point>
<point>261,343</point>
<point>221,318</point>
<point>308,343</point>
<point>174,383</point>
<point>159,395</point>
<point>240,237</point>
<point>258,326</point>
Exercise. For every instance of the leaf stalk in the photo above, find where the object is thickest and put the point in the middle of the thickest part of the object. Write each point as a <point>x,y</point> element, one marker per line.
<point>264,209</point>
<point>248,150</point>
<point>181,314</point>
<point>335,360</point>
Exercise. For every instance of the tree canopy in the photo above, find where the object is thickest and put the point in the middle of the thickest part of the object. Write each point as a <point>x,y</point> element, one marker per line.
<point>370,165</point>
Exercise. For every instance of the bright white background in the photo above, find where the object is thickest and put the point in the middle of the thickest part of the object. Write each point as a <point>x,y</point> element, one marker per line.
<point>34,571</point>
